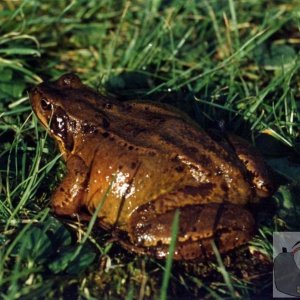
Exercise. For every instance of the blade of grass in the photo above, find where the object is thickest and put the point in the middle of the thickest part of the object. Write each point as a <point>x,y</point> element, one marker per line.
<point>92,221</point>
<point>167,271</point>
<point>224,273</point>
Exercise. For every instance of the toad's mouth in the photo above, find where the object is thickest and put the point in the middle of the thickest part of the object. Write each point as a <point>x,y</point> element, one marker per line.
<point>59,126</point>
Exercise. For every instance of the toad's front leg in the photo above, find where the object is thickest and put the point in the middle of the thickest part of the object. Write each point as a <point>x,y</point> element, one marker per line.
<point>68,196</point>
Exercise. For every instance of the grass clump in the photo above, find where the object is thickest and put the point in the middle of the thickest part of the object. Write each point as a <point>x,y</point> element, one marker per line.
<point>230,62</point>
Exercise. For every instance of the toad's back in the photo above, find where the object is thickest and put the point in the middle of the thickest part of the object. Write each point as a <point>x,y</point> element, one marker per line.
<point>150,151</point>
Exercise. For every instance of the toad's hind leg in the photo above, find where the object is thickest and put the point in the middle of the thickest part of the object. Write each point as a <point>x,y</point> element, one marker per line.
<point>228,225</point>
<point>68,196</point>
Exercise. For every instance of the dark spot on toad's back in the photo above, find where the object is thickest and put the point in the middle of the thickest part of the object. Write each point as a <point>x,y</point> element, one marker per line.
<point>203,189</point>
<point>88,128</point>
<point>179,169</point>
<point>105,123</point>
<point>205,160</point>
<point>192,149</point>
<point>105,134</point>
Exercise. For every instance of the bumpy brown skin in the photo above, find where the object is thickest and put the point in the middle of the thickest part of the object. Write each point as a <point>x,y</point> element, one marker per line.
<point>140,162</point>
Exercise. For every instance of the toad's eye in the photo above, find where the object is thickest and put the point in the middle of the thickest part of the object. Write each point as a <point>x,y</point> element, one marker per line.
<point>45,104</point>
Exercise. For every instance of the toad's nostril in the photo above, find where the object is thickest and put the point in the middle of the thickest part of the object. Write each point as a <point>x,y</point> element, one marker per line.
<point>34,90</point>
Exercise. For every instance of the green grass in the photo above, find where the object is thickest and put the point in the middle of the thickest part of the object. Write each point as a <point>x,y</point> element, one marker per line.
<point>235,62</point>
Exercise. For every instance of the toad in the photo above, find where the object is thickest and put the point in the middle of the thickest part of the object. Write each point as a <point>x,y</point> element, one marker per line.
<point>135,163</point>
